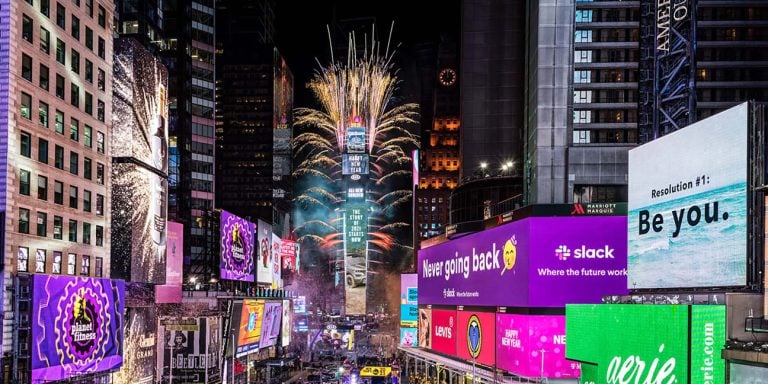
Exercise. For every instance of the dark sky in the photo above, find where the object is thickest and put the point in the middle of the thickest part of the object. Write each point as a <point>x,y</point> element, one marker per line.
<point>302,34</point>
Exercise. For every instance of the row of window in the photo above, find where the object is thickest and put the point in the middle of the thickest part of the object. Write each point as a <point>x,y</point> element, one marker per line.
<point>605,136</point>
<point>41,259</point>
<point>61,12</point>
<point>27,33</point>
<point>25,188</point>
<point>58,227</point>
<point>605,116</point>
<point>25,141</point>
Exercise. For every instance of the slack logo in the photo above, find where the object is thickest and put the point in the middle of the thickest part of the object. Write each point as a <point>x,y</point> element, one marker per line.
<point>563,253</point>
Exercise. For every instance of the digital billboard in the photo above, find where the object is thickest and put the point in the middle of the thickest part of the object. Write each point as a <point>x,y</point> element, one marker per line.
<point>532,262</point>
<point>533,346</point>
<point>409,300</point>
<point>356,139</point>
<point>270,327</point>
<point>678,339</point>
<point>287,324</point>
<point>476,337</point>
<point>77,326</point>
<point>288,255</point>
<point>425,328</point>
<point>277,262</point>
<point>264,253</point>
<point>356,258</point>
<point>191,348</point>
<point>443,331</point>
<point>139,346</point>
<point>170,292</point>
<point>688,206</point>
<point>249,326</point>
<point>354,164</point>
<point>408,337</point>
<point>236,248</point>
<point>300,304</point>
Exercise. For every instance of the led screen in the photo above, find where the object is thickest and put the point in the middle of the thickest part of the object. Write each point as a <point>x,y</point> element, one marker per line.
<point>285,332</point>
<point>356,258</point>
<point>170,292</point>
<point>409,296</point>
<point>408,337</point>
<point>277,270</point>
<point>264,253</point>
<point>250,324</point>
<point>140,347</point>
<point>77,326</point>
<point>477,337</point>
<point>236,248</point>
<point>688,206</point>
<point>288,254</point>
<point>195,345</point>
<point>443,331</point>
<point>270,327</point>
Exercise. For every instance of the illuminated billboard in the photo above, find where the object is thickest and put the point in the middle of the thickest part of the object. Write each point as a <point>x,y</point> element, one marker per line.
<point>249,326</point>
<point>277,263</point>
<point>287,324</point>
<point>237,260</point>
<point>476,337</point>
<point>288,255</point>
<point>545,261</point>
<point>680,340</point>
<point>170,292</point>
<point>520,340</point>
<point>409,296</point>
<point>444,331</point>
<point>139,346</point>
<point>264,253</point>
<point>688,206</point>
<point>270,327</point>
<point>408,337</point>
<point>354,164</point>
<point>77,326</point>
<point>191,348</point>
<point>356,260</point>
<point>300,304</point>
<point>356,139</point>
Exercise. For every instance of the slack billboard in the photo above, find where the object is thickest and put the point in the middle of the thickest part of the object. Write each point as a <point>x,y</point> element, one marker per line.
<point>77,326</point>
<point>476,337</point>
<point>533,262</point>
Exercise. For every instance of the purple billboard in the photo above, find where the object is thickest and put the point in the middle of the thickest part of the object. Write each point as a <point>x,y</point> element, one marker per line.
<point>77,326</point>
<point>236,248</point>
<point>270,326</point>
<point>533,262</point>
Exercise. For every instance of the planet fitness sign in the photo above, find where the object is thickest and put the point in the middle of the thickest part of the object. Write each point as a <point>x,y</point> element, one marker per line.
<point>236,248</point>
<point>648,343</point>
<point>476,341</point>
<point>77,326</point>
<point>533,262</point>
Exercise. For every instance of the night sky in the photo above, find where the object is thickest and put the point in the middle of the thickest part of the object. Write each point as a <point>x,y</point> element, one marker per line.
<point>302,34</point>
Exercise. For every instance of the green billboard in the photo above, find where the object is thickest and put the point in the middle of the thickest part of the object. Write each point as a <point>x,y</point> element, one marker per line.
<point>648,343</point>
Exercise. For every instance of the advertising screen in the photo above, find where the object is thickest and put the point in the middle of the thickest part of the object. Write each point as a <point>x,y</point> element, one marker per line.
<point>77,326</point>
<point>408,337</point>
<point>236,248</point>
<point>249,329</point>
<point>277,262</point>
<point>194,345</point>
<point>264,253</point>
<point>477,337</point>
<point>544,261</point>
<point>139,347</point>
<point>356,260</point>
<point>288,254</point>
<point>300,304</point>
<point>688,206</point>
<point>356,139</point>
<point>614,335</point>
<point>520,340</point>
<point>170,292</point>
<point>287,324</point>
<point>409,297</point>
<point>443,331</point>
<point>270,328</point>
<point>354,164</point>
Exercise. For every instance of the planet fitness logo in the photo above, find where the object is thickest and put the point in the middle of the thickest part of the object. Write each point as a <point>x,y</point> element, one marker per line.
<point>474,336</point>
<point>82,322</point>
<point>236,243</point>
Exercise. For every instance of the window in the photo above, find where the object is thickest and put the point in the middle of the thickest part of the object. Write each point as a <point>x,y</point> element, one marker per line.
<point>23,220</point>
<point>58,227</point>
<point>102,48</point>
<point>26,67</point>
<point>89,7</point>
<point>85,267</point>
<point>74,160</point>
<point>86,200</point>
<point>99,267</point>
<point>88,71</point>
<point>75,61</point>
<point>42,187</point>
<point>26,106</point>
<point>582,56</point>
<point>582,97</point>
<point>100,142</point>
<point>583,15</point>
<point>72,196</point>
<point>42,151</point>
<point>26,28</point>
<point>58,192</point>
<point>100,111</point>
<point>100,173</point>
<point>102,80</point>
<point>87,168</point>
<point>59,86</point>
<point>86,233</point>
<point>100,235</point>
<point>61,17</point>
<point>71,260</point>
<point>43,77</point>
<point>24,184</point>
<point>583,36</point>
<point>42,224</point>
<point>582,117</point>
<point>100,205</point>
<point>88,103</point>
<point>59,122</point>
<point>581,136</point>
<point>75,27</point>
<point>42,113</point>
<point>45,41</point>
<point>56,267</point>
<point>58,157</point>
<point>87,132</point>
<point>40,261</point>
<point>582,77</point>
<point>89,38</point>
<point>73,230</point>
<point>22,262</point>
<point>26,144</point>
<point>102,17</point>
<point>61,52</point>
<point>74,95</point>
<point>74,129</point>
